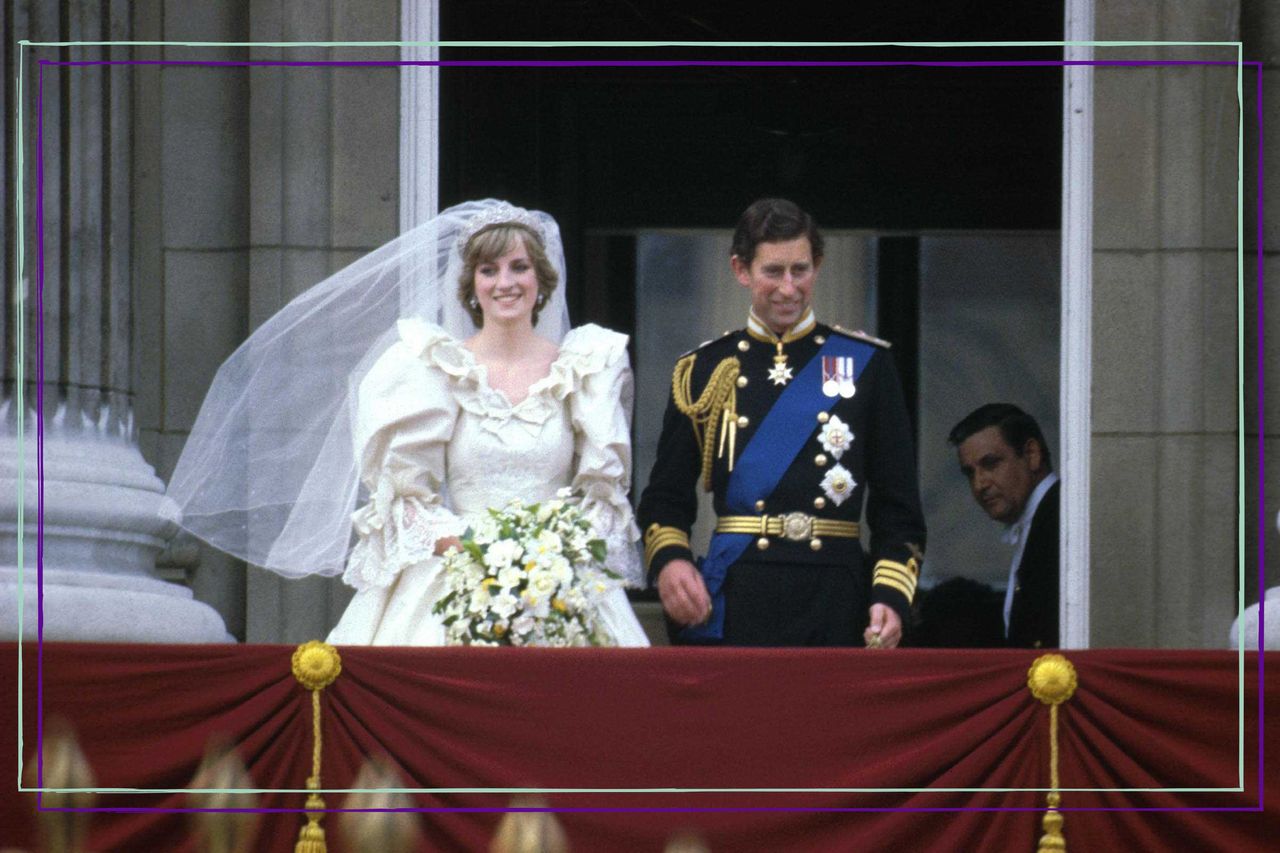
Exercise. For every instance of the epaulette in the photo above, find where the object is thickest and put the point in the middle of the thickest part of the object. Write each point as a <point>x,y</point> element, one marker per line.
<point>709,342</point>
<point>862,336</point>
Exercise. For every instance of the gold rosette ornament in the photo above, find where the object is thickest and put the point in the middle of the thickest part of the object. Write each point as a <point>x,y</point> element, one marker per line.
<point>1052,680</point>
<point>316,665</point>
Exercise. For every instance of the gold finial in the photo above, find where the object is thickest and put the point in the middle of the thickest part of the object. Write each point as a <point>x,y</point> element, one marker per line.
<point>374,825</point>
<point>223,774</point>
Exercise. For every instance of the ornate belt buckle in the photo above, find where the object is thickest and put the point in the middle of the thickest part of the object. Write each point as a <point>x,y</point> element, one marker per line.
<point>797,526</point>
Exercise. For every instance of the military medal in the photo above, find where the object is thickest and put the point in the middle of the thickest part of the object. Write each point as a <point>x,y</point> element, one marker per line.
<point>846,377</point>
<point>780,373</point>
<point>837,376</point>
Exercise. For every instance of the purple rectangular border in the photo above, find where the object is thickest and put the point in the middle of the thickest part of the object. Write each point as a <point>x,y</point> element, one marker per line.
<point>40,424</point>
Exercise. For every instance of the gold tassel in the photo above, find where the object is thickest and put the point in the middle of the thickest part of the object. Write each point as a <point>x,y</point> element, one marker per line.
<point>1052,680</point>
<point>316,665</point>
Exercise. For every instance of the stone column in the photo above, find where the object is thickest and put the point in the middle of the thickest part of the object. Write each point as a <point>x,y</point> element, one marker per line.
<point>101,519</point>
<point>1164,486</point>
<point>1260,32</point>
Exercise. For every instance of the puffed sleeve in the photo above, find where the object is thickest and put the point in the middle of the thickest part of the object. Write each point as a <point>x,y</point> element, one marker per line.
<point>600,409</point>
<point>405,416</point>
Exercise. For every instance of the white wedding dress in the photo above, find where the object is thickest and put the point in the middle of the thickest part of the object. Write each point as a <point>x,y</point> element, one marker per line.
<point>438,447</point>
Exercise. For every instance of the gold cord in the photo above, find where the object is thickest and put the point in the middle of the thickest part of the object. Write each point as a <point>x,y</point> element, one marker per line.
<point>316,665</point>
<point>1052,680</point>
<point>718,401</point>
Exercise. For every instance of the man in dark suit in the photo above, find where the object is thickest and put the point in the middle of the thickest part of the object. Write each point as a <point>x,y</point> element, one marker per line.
<point>1003,455</point>
<point>790,423</point>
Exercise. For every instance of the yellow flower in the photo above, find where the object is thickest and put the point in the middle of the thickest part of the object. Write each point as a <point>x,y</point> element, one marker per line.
<point>488,582</point>
<point>530,566</point>
<point>499,630</point>
<point>559,605</point>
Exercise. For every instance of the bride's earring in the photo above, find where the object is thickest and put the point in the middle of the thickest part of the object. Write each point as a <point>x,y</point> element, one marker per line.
<point>473,303</point>
<point>541,300</point>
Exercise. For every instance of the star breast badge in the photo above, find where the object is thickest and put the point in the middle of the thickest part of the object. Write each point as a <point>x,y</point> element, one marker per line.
<point>835,437</point>
<point>838,484</point>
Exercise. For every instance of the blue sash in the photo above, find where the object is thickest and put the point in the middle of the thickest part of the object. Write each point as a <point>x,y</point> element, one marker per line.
<point>778,440</point>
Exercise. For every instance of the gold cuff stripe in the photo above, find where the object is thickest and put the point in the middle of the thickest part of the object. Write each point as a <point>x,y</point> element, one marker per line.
<point>896,577</point>
<point>775,525</point>
<point>658,537</point>
<point>894,583</point>
<point>911,567</point>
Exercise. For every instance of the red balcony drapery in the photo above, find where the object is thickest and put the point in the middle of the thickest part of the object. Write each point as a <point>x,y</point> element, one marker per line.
<point>680,719</point>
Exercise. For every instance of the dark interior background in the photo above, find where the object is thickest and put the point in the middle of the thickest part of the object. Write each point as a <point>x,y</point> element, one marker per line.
<point>884,148</point>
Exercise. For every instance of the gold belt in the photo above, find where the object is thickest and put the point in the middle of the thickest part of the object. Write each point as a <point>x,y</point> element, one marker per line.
<point>796,526</point>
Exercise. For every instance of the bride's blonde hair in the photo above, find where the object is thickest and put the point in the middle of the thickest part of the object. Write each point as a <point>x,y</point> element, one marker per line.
<point>492,243</point>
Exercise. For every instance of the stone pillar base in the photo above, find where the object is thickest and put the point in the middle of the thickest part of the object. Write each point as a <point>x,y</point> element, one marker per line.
<point>104,524</point>
<point>91,607</point>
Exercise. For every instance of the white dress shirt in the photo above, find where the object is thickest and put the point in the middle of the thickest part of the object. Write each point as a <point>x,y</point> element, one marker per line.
<point>1016,534</point>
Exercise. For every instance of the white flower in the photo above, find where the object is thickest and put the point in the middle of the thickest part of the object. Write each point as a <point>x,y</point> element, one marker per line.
<point>486,531</point>
<point>542,583</point>
<point>560,570</point>
<point>564,492</point>
<point>836,437</point>
<point>504,604</point>
<point>548,543</point>
<point>510,577</point>
<point>503,553</point>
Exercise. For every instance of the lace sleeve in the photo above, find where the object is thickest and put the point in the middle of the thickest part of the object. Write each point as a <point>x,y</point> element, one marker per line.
<point>601,413</point>
<point>403,424</point>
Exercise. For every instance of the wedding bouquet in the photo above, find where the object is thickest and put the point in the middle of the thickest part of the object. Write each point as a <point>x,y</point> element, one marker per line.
<point>528,575</point>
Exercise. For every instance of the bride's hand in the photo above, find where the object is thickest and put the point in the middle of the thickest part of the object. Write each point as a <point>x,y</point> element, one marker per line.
<point>446,543</point>
<point>683,593</point>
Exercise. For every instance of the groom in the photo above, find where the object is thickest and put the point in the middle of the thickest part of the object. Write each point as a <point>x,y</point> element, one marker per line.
<point>791,424</point>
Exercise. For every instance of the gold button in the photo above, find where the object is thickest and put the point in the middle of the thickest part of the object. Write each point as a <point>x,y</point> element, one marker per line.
<point>820,460</point>
<point>743,346</point>
<point>763,543</point>
<point>743,420</point>
<point>823,417</point>
<point>742,382</point>
<point>819,339</point>
<point>815,543</point>
<point>759,506</point>
<point>819,502</point>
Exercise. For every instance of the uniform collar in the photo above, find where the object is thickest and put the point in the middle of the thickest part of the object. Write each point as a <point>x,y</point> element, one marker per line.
<point>758,330</point>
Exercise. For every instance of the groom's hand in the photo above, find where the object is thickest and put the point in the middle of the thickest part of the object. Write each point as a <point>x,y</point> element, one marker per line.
<point>684,595</point>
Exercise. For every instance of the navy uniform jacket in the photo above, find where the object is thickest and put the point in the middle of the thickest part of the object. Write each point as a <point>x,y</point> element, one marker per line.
<point>881,459</point>
<point>1033,614</point>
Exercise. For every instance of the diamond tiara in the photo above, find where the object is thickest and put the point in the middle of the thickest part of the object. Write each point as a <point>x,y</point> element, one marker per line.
<point>496,215</point>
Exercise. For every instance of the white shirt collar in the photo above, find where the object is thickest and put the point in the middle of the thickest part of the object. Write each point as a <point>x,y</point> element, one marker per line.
<point>1013,533</point>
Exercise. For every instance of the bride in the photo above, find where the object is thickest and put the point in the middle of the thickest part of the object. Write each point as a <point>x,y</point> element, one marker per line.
<point>430,381</point>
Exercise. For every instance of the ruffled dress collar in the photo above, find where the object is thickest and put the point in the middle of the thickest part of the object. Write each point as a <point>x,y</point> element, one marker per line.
<point>585,350</point>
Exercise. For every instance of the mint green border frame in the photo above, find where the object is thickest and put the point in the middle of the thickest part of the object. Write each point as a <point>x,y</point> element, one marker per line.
<point>21,305</point>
